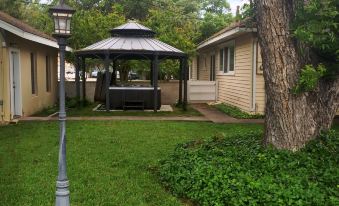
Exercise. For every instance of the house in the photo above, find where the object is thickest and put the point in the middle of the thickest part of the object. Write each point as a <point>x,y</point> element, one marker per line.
<point>28,69</point>
<point>227,68</point>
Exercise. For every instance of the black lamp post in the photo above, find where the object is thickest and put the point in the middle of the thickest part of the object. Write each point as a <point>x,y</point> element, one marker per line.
<point>62,15</point>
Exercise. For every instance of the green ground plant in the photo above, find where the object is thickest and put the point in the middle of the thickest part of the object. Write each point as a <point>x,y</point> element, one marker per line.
<point>236,112</point>
<point>238,170</point>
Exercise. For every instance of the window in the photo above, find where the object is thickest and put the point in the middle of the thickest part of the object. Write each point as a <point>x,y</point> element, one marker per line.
<point>221,59</point>
<point>48,74</point>
<point>212,68</point>
<point>227,59</point>
<point>34,74</point>
<point>198,67</point>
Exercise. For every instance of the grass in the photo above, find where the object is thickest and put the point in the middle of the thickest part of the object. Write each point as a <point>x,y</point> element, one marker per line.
<point>236,112</point>
<point>88,111</point>
<point>109,162</point>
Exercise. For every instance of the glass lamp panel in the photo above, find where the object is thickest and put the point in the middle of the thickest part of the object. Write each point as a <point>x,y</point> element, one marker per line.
<point>56,25</point>
<point>68,28</point>
<point>62,24</point>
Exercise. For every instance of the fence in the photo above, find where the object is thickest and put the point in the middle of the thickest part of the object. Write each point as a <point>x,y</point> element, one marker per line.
<point>202,91</point>
<point>169,89</point>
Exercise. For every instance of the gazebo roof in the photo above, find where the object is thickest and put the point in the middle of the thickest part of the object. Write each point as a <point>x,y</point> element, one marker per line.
<point>131,39</point>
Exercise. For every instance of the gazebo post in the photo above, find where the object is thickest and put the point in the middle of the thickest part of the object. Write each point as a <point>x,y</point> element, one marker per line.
<point>77,78</point>
<point>185,83</point>
<point>83,67</point>
<point>107,82</point>
<point>114,74</point>
<point>180,81</point>
<point>151,72</point>
<point>155,81</point>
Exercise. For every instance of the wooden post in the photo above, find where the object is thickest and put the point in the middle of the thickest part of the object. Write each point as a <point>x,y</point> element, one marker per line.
<point>107,82</point>
<point>180,81</point>
<point>77,78</point>
<point>114,73</point>
<point>151,72</point>
<point>186,74</point>
<point>155,81</point>
<point>83,68</point>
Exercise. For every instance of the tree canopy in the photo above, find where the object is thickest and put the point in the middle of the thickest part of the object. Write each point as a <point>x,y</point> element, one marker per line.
<point>181,23</point>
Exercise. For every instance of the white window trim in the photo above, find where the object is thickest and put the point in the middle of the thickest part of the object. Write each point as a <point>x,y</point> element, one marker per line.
<point>221,71</point>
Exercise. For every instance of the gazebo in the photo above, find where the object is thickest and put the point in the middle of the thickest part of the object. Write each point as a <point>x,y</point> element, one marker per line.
<point>132,41</point>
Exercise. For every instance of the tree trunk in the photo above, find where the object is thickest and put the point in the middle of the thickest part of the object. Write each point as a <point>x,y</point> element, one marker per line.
<point>290,120</point>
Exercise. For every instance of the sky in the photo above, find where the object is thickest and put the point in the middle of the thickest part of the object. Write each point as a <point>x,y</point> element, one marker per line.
<point>233,3</point>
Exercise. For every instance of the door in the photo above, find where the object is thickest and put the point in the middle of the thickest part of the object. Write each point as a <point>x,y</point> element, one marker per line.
<point>212,68</point>
<point>15,80</point>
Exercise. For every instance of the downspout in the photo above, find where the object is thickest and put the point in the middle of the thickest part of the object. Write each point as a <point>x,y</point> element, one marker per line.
<point>254,72</point>
<point>2,74</point>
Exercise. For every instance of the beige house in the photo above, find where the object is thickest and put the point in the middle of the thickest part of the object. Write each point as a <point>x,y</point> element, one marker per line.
<point>228,69</point>
<point>28,69</point>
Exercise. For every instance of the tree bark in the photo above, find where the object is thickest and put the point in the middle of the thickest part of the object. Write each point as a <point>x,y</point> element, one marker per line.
<point>291,120</point>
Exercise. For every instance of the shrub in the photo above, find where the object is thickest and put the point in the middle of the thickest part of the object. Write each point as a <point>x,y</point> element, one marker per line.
<point>237,170</point>
<point>236,112</point>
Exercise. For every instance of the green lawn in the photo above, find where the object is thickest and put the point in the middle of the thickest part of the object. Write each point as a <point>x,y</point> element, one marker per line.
<point>88,111</point>
<point>109,162</point>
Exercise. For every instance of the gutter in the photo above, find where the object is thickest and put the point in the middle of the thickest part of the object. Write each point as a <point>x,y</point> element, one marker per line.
<point>227,34</point>
<point>29,36</point>
<point>2,82</point>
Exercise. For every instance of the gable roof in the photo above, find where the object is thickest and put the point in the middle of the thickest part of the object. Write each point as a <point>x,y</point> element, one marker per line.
<point>234,29</point>
<point>133,39</point>
<point>25,31</point>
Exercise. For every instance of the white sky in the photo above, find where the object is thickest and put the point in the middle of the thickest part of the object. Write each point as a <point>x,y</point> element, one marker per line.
<point>233,3</point>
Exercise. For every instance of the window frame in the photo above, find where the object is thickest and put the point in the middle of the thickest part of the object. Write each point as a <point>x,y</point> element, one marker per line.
<point>222,69</point>
<point>48,73</point>
<point>34,74</point>
<point>198,66</point>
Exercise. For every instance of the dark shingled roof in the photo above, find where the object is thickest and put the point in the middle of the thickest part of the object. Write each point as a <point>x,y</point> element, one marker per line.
<point>132,37</point>
<point>23,26</point>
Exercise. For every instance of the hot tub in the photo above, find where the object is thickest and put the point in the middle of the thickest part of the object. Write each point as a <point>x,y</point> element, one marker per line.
<point>133,98</point>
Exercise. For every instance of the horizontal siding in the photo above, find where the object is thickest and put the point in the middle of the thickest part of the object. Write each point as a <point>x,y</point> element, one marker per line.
<point>260,97</point>
<point>204,64</point>
<point>236,89</point>
<point>194,69</point>
<point>260,94</point>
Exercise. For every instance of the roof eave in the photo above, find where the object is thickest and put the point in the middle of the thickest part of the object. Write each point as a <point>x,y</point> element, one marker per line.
<point>225,36</point>
<point>29,36</point>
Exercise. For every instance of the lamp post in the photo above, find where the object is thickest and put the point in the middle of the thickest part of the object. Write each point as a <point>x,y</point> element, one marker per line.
<point>62,15</point>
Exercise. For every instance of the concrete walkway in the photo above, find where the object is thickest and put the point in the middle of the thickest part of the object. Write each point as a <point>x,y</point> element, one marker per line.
<point>210,114</point>
<point>216,116</point>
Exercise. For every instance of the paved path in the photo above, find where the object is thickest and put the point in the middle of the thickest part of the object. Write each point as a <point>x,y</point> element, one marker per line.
<point>143,118</point>
<point>216,116</point>
<point>210,114</point>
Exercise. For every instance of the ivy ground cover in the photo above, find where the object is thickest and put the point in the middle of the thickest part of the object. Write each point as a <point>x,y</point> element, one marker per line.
<point>235,169</point>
